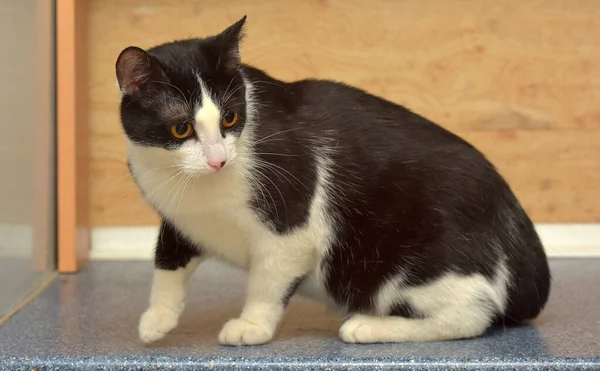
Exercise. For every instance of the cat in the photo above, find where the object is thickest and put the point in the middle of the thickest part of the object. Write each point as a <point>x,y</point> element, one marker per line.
<point>317,187</point>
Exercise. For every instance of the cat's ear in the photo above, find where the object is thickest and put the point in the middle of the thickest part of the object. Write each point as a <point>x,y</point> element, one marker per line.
<point>229,41</point>
<point>135,69</point>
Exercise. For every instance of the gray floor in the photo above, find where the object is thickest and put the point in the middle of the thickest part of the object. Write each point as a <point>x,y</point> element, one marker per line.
<point>90,321</point>
<point>23,282</point>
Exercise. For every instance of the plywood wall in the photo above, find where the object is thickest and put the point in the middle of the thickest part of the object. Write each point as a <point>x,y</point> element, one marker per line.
<point>520,80</point>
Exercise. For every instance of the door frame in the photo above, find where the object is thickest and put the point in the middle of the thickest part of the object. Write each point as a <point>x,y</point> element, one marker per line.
<point>73,204</point>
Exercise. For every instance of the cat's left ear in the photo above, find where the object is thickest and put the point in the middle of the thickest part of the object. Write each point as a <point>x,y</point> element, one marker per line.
<point>136,69</point>
<point>229,41</point>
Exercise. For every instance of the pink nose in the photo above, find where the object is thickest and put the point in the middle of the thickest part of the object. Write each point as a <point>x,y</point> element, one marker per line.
<point>217,165</point>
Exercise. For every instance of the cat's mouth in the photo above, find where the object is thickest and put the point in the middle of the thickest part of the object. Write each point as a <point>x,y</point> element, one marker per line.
<point>210,170</point>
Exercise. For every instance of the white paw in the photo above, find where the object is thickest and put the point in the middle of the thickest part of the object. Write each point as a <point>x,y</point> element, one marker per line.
<point>156,323</point>
<point>358,329</point>
<point>241,332</point>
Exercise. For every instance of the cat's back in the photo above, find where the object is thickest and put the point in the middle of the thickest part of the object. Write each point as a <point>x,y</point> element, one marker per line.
<point>320,107</point>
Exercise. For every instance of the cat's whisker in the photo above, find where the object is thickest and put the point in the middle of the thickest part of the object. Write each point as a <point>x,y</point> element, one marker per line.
<point>261,188</point>
<point>113,182</point>
<point>171,85</point>
<point>227,90</point>
<point>278,174</point>
<point>275,140</point>
<point>146,181</point>
<point>251,183</point>
<point>171,196</point>
<point>250,153</point>
<point>232,93</point>
<point>179,194</point>
<point>138,184</point>
<point>143,199</point>
<point>278,190</point>
<point>185,103</point>
<point>230,106</point>
<point>189,179</point>
<point>287,171</point>
<point>267,82</point>
<point>162,185</point>
<point>276,154</point>
<point>193,94</point>
<point>263,165</point>
<point>277,133</point>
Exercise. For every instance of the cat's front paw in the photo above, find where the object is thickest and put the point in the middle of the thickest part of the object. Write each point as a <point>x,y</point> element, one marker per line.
<point>241,332</point>
<point>357,330</point>
<point>156,323</point>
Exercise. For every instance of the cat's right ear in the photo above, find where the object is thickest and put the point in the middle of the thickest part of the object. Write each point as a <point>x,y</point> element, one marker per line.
<point>229,45</point>
<point>135,69</point>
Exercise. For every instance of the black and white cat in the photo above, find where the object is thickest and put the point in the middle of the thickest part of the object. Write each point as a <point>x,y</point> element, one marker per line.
<point>317,187</point>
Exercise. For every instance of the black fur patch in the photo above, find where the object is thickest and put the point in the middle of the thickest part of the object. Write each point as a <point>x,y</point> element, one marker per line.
<point>173,251</point>
<point>292,290</point>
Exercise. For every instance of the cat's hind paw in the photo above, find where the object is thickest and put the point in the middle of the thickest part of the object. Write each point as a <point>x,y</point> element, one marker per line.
<point>241,332</point>
<point>156,323</point>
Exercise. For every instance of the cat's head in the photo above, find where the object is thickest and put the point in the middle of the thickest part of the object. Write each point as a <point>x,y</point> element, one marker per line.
<point>184,102</point>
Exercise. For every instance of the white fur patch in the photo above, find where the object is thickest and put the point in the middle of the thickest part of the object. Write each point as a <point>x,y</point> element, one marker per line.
<point>454,306</point>
<point>167,301</point>
<point>208,128</point>
<point>208,115</point>
<point>314,284</point>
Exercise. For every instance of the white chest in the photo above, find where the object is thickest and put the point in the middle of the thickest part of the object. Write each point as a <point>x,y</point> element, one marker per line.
<point>211,210</point>
<point>214,212</point>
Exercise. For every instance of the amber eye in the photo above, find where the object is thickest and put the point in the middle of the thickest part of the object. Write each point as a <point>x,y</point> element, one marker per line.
<point>230,119</point>
<point>181,131</point>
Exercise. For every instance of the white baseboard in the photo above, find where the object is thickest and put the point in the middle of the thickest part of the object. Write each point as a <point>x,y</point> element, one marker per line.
<point>133,243</point>
<point>123,243</point>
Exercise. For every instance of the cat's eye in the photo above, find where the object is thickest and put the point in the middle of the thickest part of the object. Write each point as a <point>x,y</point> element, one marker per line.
<point>181,131</point>
<point>230,119</point>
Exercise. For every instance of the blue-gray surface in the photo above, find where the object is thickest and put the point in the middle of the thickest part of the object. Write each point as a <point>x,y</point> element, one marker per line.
<point>89,321</point>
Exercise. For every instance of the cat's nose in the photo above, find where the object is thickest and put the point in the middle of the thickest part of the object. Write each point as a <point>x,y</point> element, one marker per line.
<point>217,165</point>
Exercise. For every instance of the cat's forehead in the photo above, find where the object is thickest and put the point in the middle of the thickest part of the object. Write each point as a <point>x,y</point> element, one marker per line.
<point>173,108</point>
<point>190,76</point>
<point>179,55</point>
<point>182,97</point>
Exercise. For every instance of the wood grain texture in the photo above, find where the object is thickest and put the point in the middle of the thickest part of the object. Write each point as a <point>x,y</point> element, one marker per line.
<point>520,81</point>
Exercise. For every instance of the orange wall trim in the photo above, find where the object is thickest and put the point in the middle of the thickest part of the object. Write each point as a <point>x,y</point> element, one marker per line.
<point>72,136</point>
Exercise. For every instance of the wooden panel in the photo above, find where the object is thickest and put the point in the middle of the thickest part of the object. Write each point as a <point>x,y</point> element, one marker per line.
<point>72,136</point>
<point>521,82</point>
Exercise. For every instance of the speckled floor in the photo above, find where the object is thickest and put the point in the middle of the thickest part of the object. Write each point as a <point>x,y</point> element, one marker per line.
<point>89,321</point>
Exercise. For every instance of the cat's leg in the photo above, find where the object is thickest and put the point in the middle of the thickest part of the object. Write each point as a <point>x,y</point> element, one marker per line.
<point>275,273</point>
<point>175,261</point>
<point>452,307</point>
